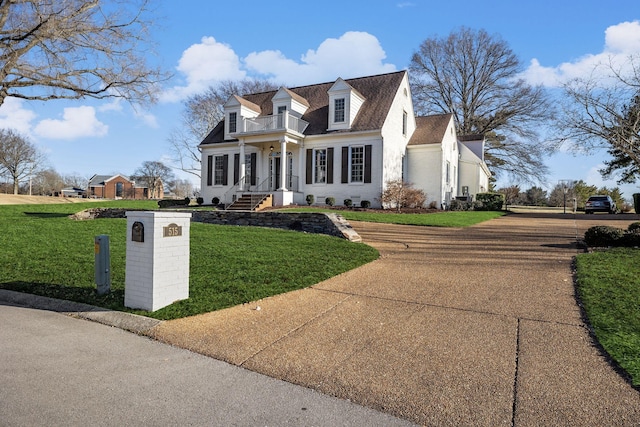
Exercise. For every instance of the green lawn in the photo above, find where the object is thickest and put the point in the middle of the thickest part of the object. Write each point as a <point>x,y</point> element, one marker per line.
<point>439,219</point>
<point>45,253</point>
<point>609,287</point>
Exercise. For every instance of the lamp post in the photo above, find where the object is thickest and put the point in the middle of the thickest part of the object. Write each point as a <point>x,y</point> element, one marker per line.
<point>566,184</point>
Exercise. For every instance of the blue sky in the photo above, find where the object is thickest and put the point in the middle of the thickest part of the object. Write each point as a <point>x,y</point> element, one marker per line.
<point>296,43</point>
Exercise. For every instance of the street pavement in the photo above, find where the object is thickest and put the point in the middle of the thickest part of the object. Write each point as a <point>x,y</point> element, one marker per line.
<point>57,370</point>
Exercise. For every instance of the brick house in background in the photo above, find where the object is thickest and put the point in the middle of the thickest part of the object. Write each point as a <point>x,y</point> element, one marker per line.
<point>118,187</point>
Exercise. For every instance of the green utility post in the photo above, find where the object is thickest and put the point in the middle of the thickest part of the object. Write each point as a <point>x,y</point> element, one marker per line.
<point>103,264</point>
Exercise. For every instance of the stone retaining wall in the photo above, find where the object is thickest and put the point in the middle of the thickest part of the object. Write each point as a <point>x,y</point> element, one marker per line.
<point>308,222</point>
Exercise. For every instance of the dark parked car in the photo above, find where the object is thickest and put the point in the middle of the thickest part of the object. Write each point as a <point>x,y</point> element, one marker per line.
<point>600,204</point>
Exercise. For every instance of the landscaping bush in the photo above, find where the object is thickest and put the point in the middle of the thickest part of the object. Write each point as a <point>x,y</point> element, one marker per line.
<point>365,204</point>
<point>310,199</point>
<point>199,201</point>
<point>330,201</point>
<point>630,239</point>
<point>460,205</point>
<point>215,201</point>
<point>348,202</point>
<point>399,194</point>
<point>490,201</point>
<point>166,203</point>
<point>634,227</point>
<point>603,236</point>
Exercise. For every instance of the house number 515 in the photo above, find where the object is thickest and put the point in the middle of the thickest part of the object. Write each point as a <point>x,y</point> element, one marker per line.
<point>172,230</point>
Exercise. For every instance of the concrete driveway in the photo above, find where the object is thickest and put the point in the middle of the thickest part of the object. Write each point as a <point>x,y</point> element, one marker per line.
<point>476,326</point>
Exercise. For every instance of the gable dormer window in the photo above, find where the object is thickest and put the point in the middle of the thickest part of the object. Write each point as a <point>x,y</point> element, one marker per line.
<point>338,110</point>
<point>233,122</point>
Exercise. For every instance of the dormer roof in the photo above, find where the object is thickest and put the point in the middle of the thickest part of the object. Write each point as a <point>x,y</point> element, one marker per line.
<point>235,101</point>
<point>292,95</point>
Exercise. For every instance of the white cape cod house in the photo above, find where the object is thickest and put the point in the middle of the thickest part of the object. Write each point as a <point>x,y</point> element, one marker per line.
<point>344,139</point>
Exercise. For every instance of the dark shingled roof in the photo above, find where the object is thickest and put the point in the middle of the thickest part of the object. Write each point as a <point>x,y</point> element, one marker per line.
<point>378,91</point>
<point>430,129</point>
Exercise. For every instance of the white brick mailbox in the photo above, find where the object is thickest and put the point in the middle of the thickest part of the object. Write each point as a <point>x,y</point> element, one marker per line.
<point>157,270</point>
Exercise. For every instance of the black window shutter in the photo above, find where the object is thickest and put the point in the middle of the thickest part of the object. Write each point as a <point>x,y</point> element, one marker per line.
<point>225,170</point>
<point>236,168</point>
<point>209,170</point>
<point>330,165</point>
<point>367,164</point>
<point>253,168</point>
<point>309,171</point>
<point>345,165</point>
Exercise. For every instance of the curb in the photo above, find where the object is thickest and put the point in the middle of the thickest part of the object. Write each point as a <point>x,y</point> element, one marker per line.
<point>130,322</point>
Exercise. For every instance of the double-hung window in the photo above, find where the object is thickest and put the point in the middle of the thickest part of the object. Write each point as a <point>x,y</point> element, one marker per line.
<point>320,166</point>
<point>338,110</point>
<point>357,163</point>
<point>233,122</point>
<point>218,171</point>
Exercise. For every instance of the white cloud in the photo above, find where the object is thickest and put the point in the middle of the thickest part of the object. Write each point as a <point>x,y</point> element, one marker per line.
<point>147,118</point>
<point>623,38</point>
<point>621,41</point>
<point>203,64</point>
<point>76,122</point>
<point>354,54</point>
<point>114,105</point>
<point>14,116</point>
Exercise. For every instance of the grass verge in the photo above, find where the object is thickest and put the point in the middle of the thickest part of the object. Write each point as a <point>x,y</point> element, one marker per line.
<point>43,252</point>
<point>609,287</point>
<point>455,219</point>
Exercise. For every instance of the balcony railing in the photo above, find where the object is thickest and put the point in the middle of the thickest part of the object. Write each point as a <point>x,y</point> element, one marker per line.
<point>282,121</point>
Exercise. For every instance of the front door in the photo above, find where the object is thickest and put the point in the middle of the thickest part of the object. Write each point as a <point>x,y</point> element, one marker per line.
<point>274,171</point>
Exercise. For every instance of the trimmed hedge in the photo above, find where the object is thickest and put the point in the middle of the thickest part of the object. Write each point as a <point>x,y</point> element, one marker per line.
<point>166,203</point>
<point>606,236</point>
<point>490,201</point>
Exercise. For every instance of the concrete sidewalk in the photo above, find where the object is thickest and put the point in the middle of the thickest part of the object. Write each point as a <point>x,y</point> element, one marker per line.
<point>476,326</point>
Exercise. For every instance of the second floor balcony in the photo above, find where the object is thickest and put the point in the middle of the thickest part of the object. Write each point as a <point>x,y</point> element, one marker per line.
<point>273,123</point>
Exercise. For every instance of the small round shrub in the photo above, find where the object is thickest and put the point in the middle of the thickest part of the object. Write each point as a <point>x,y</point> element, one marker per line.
<point>603,235</point>
<point>634,227</point>
<point>310,199</point>
<point>365,204</point>
<point>630,239</point>
<point>215,201</point>
<point>199,201</point>
<point>460,205</point>
<point>330,201</point>
<point>187,201</point>
<point>348,202</point>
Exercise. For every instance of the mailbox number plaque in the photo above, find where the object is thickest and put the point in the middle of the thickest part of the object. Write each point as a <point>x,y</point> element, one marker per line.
<point>172,230</point>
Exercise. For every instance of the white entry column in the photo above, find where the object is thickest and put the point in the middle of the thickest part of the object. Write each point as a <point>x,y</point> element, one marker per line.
<point>157,266</point>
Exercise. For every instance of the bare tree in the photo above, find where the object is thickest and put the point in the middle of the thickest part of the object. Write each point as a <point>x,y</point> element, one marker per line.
<point>19,158</point>
<point>183,188</point>
<point>47,182</point>
<point>202,112</point>
<point>475,76</point>
<point>71,49</point>
<point>155,175</point>
<point>603,110</point>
